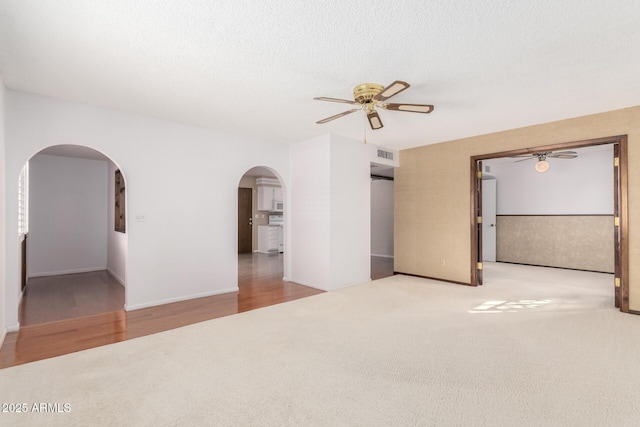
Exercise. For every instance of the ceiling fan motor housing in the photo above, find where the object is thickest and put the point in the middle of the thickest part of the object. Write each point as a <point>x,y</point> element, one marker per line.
<point>364,93</point>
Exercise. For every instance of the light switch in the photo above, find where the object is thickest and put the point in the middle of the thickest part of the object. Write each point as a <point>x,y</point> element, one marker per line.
<point>141,217</point>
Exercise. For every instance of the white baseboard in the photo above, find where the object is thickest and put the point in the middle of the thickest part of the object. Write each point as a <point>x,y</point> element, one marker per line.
<point>178,299</point>
<point>118,278</point>
<point>382,256</point>
<point>73,271</point>
<point>8,329</point>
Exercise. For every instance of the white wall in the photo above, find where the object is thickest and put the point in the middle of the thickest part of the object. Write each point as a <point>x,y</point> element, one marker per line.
<point>330,212</point>
<point>376,158</point>
<point>350,212</point>
<point>583,185</point>
<point>382,218</point>
<point>67,215</point>
<point>310,212</point>
<point>184,179</point>
<point>3,236</point>
<point>116,241</point>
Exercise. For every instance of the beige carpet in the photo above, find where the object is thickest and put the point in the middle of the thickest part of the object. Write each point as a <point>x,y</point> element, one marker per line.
<point>533,347</point>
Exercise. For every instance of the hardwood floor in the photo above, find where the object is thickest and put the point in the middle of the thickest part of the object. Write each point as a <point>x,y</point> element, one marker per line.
<point>54,298</point>
<point>65,314</point>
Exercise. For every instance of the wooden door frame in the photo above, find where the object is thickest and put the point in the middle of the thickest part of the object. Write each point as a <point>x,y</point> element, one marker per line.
<point>620,192</point>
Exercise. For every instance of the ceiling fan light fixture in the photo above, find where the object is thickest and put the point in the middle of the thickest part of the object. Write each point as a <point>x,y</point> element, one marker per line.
<point>542,166</point>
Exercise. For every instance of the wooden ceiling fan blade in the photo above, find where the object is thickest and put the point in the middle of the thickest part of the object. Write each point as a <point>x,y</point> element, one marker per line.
<point>337,116</point>
<point>374,120</point>
<point>391,90</point>
<point>573,153</point>
<point>414,108</point>
<point>344,101</point>
<point>563,155</point>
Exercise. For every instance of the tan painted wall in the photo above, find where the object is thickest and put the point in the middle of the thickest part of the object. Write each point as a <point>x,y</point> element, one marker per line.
<point>432,201</point>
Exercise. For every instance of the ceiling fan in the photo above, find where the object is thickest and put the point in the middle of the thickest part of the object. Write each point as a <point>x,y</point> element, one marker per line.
<point>542,165</point>
<point>367,96</point>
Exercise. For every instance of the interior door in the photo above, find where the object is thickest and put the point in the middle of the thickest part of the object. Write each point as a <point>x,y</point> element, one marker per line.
<point>245,220</point>
<point>489,220</point>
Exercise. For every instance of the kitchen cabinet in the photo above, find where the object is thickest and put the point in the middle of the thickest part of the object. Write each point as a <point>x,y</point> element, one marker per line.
<point>269,238</point>
<point>277,194</point>
<point>266,196</point>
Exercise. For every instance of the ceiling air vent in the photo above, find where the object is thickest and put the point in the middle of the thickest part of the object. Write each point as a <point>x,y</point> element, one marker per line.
<point>385,154</point>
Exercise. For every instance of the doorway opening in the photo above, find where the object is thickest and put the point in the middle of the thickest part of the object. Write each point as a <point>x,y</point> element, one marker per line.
<point>260,212</point>
<point>73,258</point>
<point>261,245</point>
<point>382,222</point>
<point>619,223</point>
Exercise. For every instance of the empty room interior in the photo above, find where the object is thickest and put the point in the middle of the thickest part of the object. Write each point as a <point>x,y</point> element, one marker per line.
<point>369,213</point>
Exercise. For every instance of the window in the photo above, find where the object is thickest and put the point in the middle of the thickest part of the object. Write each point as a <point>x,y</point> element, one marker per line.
<point>23,200</point>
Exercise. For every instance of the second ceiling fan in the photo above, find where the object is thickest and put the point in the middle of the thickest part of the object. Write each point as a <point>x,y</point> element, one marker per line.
<point>542,165</point>
<point>367,96</point>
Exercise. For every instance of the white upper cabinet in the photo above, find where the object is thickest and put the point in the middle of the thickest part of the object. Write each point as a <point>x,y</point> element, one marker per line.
<point>277,194</point>
<point>265,198</point>
<point>269,190</point>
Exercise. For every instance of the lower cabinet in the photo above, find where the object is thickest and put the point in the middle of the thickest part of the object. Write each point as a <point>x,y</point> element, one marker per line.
<point>269,238</point>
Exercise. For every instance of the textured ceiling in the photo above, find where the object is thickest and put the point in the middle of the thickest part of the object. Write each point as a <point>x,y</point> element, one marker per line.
<point>253,67</point>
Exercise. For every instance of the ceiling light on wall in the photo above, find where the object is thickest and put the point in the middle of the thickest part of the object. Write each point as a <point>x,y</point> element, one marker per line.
<point>542,166</point>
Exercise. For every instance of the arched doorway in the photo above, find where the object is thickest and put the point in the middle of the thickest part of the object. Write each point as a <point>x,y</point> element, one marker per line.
<point>73,235</point>
<point>261,243</point>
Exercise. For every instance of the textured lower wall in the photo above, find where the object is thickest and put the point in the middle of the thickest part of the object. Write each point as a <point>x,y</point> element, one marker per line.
<point>580,242</point>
